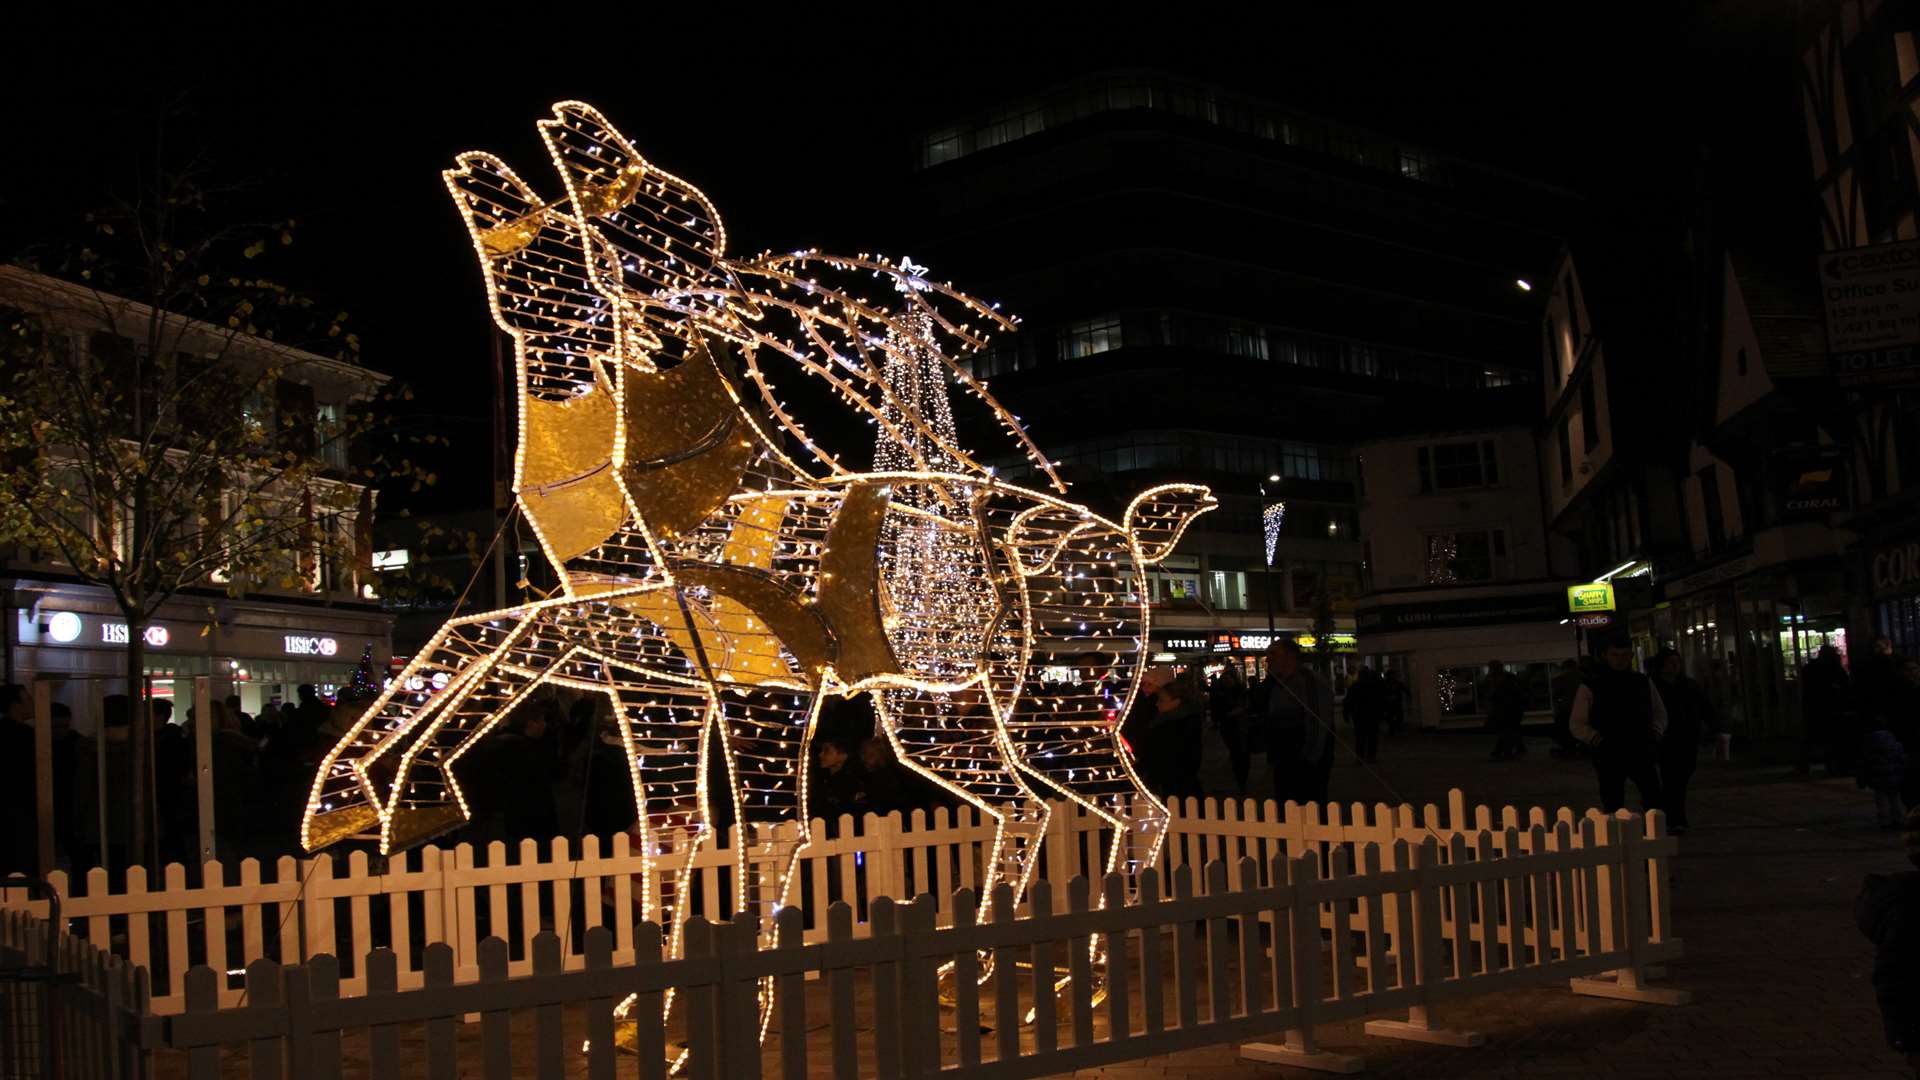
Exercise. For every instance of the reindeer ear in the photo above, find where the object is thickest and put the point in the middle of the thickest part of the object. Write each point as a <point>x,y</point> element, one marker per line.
<point>668,235</point>
<point>537,279</point>
<point>1158,517</point>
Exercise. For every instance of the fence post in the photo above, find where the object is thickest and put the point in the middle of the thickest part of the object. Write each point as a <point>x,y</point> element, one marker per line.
<point>1301,1049</point>
<point>1628,880</point>
<point>920,988</point>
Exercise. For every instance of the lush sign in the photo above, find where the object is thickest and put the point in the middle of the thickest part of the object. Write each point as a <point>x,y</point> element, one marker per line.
<point>1597,596</point>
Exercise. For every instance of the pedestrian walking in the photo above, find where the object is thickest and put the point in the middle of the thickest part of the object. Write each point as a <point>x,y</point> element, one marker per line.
<point>1506,708</point>
<point>1888,913</point>
<point>1620,717</point>
<point>1227,701</point>
<point>1564,685</point>
<point>1826,704</point>
<point>1298,709</point>
<point>1689,719</point>
<point>1366,709</point>
<point>1399,696</point>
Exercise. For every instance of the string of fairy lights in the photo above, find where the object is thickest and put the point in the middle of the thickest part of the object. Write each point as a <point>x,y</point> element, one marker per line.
<point>722,573</point>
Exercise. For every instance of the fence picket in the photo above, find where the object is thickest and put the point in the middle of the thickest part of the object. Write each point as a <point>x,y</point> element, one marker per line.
<point>1006,980</point>
<point>965,974</point>
<point>1304,920</point>
<point>598,953</point>
<point>790,995</point>
<point>1046,1009</point>
<point>1153,1000</point>
<point>442,1060</point>
<point>1119,1023</point>
<point>1219,992</point>
<point>701,1004</point>
<point>1540,926</point>
<point>382,972</point>
<point>1185,953</point>
<point>649,1007</point>
<point>547,1054</point>
<point>883,915</point>
<point>1487,921</point>
<point>202,996</point>
<point>322,978</point>
<point>1344,975</point>
<point>1080,965</point>
<point>840,995</point>
<point>496,1033</point>
<point>919,988</point>
<point>263,999</point>
<point>1376,928</point>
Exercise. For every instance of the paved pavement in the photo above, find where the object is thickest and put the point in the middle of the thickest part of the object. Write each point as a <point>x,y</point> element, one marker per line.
<point>1763,899</point>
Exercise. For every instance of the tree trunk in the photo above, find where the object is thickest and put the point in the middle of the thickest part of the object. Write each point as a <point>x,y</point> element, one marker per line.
<point>139,793</point>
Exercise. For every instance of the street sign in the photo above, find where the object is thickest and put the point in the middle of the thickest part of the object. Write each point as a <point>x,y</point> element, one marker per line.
<point>1872,299</point>
<point>1595,596</point>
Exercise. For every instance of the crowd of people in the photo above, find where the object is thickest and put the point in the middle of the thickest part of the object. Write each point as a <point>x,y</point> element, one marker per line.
<point>557,764</point>
<point>265,765</point>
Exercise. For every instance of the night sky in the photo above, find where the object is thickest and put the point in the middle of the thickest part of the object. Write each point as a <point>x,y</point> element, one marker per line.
<point>801,130</point>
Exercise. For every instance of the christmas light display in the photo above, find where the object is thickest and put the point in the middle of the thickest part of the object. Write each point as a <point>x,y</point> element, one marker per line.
<point>721,574</point>
<point>1271,518</point>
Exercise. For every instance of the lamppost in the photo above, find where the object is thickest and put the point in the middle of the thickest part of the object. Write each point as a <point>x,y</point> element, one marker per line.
<point>1271,515</point>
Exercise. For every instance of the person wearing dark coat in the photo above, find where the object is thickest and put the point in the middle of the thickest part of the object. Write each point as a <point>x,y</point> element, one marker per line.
<point>836,785</point>
<point>1507,701</point>
<point>1619,715</point>
<point>1826,707</point>
<point>1565,684</point>
<point>1888,913</point>
<point>1399,696</point>
<point>1689,719</point>
<point>1366,708</point>
<point>1297,708</point>
<point>1227,702</point>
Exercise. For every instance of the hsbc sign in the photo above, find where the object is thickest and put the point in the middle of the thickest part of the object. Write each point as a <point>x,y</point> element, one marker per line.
<point>309,645</point>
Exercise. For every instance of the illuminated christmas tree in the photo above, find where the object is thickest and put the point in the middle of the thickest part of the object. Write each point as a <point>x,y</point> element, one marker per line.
<point>937,597</point>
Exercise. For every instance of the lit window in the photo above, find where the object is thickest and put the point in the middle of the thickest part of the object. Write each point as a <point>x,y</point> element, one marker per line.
<point>1416,165</point>
<point>1467,555</point>
<point>1089,337</point>
<point>940,146</point>
<point>1447,466</point>
<point>1247,341</point>
<point>1016,122</point>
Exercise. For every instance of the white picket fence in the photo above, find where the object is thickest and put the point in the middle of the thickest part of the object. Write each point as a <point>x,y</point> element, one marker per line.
<point>1287,950</point>
<point>459,896</point>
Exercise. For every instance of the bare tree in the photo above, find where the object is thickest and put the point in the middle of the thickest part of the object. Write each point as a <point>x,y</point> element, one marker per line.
<point>158,435</point>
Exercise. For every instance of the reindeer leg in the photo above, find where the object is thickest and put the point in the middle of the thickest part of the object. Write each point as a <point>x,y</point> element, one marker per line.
<point>345,798</point>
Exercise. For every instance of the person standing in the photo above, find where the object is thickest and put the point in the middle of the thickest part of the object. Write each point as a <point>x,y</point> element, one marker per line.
<point>1876,679</point>
<point>1825,698</point>
<point>1689,719</point>
<point>1227,701</point>
<point>1565,684</point>
<point>1366,710</point>
<point>1619,715</point>
<point>1506,708</point>
<point>1399,696</point>
<point>1298,708</point>
<point>1883,768</point>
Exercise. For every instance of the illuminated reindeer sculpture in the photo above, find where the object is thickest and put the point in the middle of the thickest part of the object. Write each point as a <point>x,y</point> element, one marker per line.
<point>721,574</point>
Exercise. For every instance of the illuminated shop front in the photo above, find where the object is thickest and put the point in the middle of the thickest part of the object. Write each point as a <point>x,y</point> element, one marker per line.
<point>262,651</point>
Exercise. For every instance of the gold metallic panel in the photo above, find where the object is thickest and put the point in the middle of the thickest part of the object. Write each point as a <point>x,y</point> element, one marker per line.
<point>850,584</point>
<point>409,827</point>
<point>686,449</point>
<point>335,826</point>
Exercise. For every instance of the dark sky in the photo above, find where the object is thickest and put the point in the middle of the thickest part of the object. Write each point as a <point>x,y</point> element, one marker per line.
<point>799,128</point>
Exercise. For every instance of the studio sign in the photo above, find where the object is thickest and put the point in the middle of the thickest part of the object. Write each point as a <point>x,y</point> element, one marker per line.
<point>305,645</point>
<point>1896,567</point>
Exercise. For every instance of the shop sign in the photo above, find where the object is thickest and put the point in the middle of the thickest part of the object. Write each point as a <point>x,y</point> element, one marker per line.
<point>1811,482</point>
<point>1185,644</point>
<point>1475,611</point>
<point>309,645</point>
<point>1712,575</point>
<point>1896,568</point>
<point>1891,367</point>
<point>1593,621</point>
<point>1594,596</point>
<point>115,633</point>
<point>1338,642</point>
<point>1872,297</point>
<point>1250,642</point>
<point>391,560</point>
